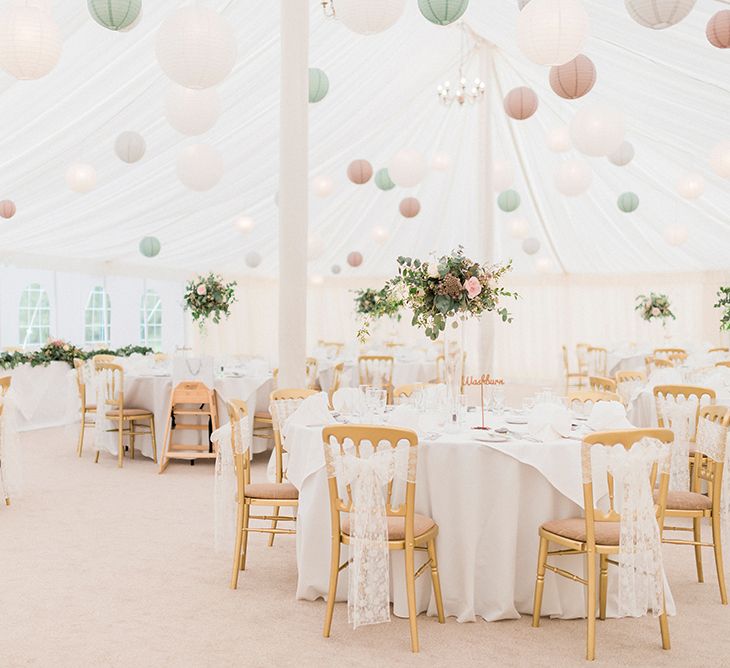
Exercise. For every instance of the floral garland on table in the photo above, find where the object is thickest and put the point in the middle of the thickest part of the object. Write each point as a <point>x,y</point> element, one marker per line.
<point>723,302</point>
<point>209,297</point>
<point>654,306</point>
<point>448,286</point>
<point>57,350</point>
<point>371,304</point>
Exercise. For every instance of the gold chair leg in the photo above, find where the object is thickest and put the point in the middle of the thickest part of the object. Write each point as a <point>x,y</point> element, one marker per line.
<point>540,581</point>
<point>80,446</point>
<point>244,542</point>
<point>719,565</point>
<point>132,427</point>
<point>697,527</point>
<point>332,591</point>
<point>664,626</point>
<point>411,594</point>
<point>96,457</point>
<point>591,608</point>
<point>154,439</point>
<point>274,524</point>
<point>436,581</point>
<point>120,444</point>
<point>603,587</point>
<point>237,549</point>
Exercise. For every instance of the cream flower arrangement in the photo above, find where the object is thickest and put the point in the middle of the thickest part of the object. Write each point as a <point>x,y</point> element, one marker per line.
<point>209,297</point>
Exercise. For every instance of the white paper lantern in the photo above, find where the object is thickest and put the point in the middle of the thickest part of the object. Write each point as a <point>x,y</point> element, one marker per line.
<point>81,177</point>
<point>530,245</point>
<point>380,234</point>
<point>316,279</point>
<point>659,14</point>
<point>597,130</point>
<point>558,139</point>
<point>244,224</point>
<point>519,228</point>
<point>441,162</point>
<point>691,185</point>
<point>623,155</point>
<point>252,259</point>
<point>552,32</point>
<point>191,112</point>
<point>543,265</point>
<point>196,47</point>
<point>503,175</point>
<point>130,147</point>
<point>367,17</point>
<point>322,186</point>
<point>676,235</point>
<point>407,168</point>
<point>30,42</point>
<point>573,177</point>
<point>199,167</point>
<point>720,160</point>
<point>315,246</point>
<point>336,269</point>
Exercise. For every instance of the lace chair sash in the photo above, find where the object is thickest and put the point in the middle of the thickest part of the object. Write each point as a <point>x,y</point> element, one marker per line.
<point>679,416</point>
<point>102,381</point>
<point>10,469</point>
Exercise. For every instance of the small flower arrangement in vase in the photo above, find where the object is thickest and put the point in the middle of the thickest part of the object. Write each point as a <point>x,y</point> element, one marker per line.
<point>655,307</point>
<point>723,303</point>
<point>209,297</point>
<point>371,304</point>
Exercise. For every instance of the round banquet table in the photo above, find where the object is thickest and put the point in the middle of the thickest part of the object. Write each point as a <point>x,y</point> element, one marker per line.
<point>488,500</point>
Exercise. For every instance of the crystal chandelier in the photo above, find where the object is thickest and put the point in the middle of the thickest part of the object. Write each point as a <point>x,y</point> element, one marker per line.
<point>463,91</point>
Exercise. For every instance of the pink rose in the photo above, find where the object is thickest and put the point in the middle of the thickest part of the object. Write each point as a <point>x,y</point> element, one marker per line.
<point>472,286</point>
<point>201,289</point>
<point>655,311</point>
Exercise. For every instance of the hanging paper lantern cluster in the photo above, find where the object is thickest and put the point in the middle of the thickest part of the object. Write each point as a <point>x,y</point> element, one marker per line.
<point>597,130</point>
<point>115,14</point>
<point>659,14</point>
<point>573,177</point>
<point>573,79</point>
<point>81,177</point>
<point>150,246</point>
<point>130,147</point>
<point>676,235</point>
<point>508,200</point>
<point>691,185</point>
<point>720,159</point>
<point>718,29</point>
<point>199,167</point>
<point>552,32</point>
<point>7,209</point>
<point>196,47</point>
<point>252,259</point>
<point>409,207</point>
<point>443,12</point>
<point>407,168</point>
<point>244,224</point>
<point>623,155</point>
<point>368,18</point>
<point>558,139</point>
<point>383,180</point>
<point>323,186</point>
<point>519,228</point>
<point>319,84</point>
<point>440,162</point>
<point>359,171</point>
<point>503,175</point>
<point>530,246</point>
<point>30,42</point>
<point>628,202</point>
<point>354,259</point>
<point>380,235</point>
<point>191,112</point>
<point>520,103</point>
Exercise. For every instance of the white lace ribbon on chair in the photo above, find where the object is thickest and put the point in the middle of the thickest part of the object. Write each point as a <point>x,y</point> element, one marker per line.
<point>679,416</point>
<point>105,436</point>
<point>368,593</point>
<point>641,570</point>
<point>10,469</point>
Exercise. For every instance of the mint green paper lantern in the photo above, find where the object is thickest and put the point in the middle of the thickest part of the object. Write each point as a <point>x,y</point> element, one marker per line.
<point>150,246</point>
<point>383,180</point>
<point>508,200</point>
<point>628,202</point>
<point>114,14</point>
<point>442,12</point>
<point>319,84</point>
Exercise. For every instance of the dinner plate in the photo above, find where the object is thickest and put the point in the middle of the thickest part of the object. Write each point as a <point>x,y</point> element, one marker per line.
<point>515,419</point>
<point>491,438</point>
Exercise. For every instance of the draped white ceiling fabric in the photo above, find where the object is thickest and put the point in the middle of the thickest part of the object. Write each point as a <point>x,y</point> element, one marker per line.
<point>672,86</point>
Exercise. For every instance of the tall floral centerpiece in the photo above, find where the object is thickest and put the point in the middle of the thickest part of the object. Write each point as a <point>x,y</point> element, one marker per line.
<point>655,307</point>
<point>372,305</point>
<point>723,303</point>
<point>209,298</point>
<point>443,293</point>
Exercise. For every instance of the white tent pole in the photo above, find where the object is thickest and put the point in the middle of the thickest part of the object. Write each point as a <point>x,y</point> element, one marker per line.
<point>293,191</point>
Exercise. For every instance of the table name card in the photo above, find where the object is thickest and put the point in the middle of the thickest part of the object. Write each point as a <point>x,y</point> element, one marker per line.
<point>481,381</point>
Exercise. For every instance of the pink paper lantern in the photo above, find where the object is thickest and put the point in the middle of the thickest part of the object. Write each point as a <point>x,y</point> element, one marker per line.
<point>409,207</point>
<point>718,29</point>
<point>7,208</point>
<point>574,79</point>
<point>354,259</point>
<point>520,103</point>
<point>359,171</point>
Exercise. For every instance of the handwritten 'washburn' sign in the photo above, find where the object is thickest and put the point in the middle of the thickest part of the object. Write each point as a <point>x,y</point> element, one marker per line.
<point>484,379</point>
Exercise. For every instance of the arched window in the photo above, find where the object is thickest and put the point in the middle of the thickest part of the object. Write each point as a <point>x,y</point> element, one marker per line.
<point>98,317</point>
<point>34,316</point>
<point>150,320</point>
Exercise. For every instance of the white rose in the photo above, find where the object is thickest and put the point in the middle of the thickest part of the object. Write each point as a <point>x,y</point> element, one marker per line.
<point>432,270</point>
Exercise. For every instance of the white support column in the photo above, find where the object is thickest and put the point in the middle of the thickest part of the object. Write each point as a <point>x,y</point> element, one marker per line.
<point>293,192</point>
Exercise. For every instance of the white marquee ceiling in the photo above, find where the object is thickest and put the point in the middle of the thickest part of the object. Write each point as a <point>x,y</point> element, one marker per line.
<point>672,86</point>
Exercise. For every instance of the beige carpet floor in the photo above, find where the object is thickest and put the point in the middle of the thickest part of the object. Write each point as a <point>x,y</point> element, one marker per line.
<point>108,567</point>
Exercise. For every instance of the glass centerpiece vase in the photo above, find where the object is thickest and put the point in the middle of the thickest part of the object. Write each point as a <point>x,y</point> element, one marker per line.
<point>454,359</point>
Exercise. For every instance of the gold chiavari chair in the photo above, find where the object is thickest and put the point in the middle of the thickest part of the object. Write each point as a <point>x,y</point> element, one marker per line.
<point>597,361</point>
<point>5,382</point>
<point>723,364</point>
<point>601,384</point>
<point>674,355</point>
<point>160,358</point>
<point>720,349</point>
<point>312,373</point>
<point>87,410</point>
<point>659,363</point>
<point>405,391</point>
<point>127,419</point>
<point>707,469</point>
<point>681,393</point>
<point>630,377</point>
<point>333,349</point>
<point>581,354</point>
<point>103,359</point>
<point>591,396</point>
<point>597,533</point>
<point>407,531</point>
<point>376,370</point>
<point>572,378</point>
<point>336,381</point>
<point>250,495</point>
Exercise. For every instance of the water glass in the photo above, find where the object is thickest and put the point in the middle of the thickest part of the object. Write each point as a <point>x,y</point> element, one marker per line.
<point>498,400</point>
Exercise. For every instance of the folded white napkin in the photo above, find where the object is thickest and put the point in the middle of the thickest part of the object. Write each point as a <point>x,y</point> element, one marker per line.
<point>346,399</point>
<point>548,422</point>
<point>404,416</point>
<point>607,415</point>
<point>313,411</point>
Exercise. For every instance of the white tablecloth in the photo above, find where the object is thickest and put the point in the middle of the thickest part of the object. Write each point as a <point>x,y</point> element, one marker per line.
<point>488,500</point>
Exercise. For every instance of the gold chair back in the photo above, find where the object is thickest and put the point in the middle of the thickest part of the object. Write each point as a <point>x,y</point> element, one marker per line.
<point>659,363</point>
<point>581,354</point>
<point>282,403</point>
<point>630,377</point>
<point>725,363</point>
<point>721,349</point>
<point>602,384</point>
<point>375,370</point>
<point>332,348</point>
<point>5,382</point>
<point>591,396</point>
<point>674,355</point>
<point>405,391</point>
<point>161,357</point>
<point>709,465</point>
<point>336,381</point>
<point>111,377</point>
<point>237,411</point>
<point>311,369</point>
<point>597,361</point>
<point>685,392</point>
<point>106,359</point>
